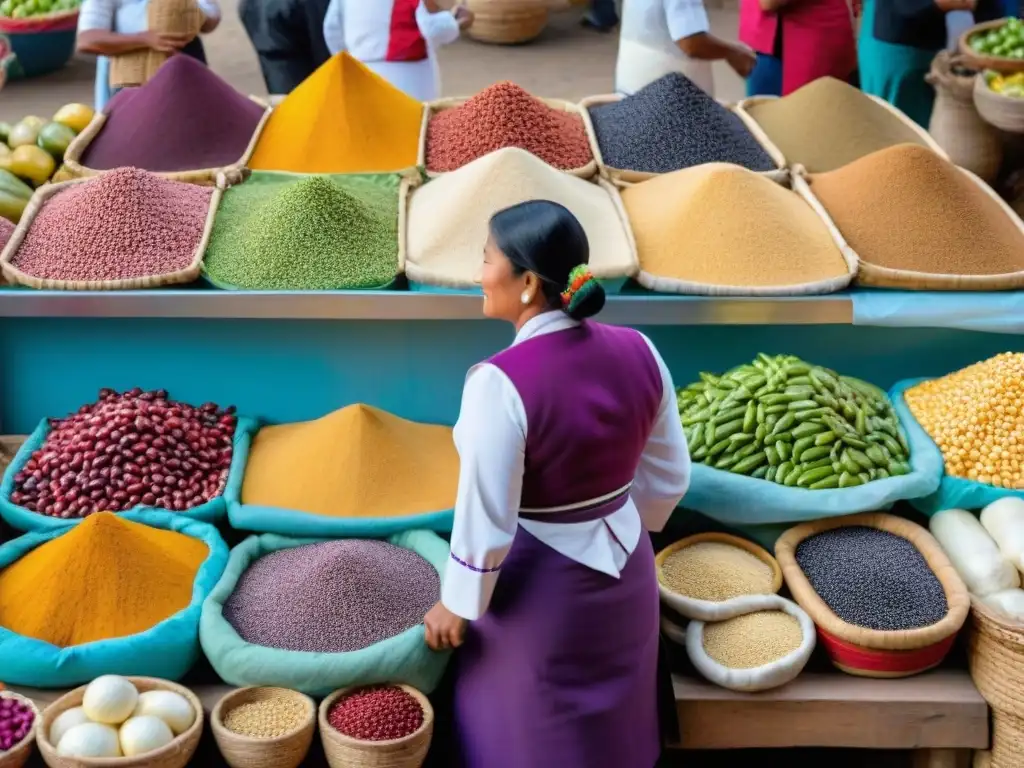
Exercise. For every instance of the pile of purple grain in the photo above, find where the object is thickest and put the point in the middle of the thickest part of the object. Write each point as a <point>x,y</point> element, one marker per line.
<point>377,713</point>
<point>123,224</point>
<point>332,597</point>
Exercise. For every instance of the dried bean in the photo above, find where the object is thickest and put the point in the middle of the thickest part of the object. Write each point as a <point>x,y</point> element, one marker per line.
<point>379,713</point>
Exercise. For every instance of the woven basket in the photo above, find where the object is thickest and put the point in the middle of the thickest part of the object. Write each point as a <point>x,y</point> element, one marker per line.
<point>345,752</point>
<point>19,754</point>
<point>286,751</point>
<point>16,276</point>
<point>871,652</point>
<point>1003,112</point>
<point>979,61</point>
<point>9,445</point>
<point>996,659</point>
<point>175,755</point>
<point>507,22</point>
<point>1007,741</point>
<point>180,17</point>
<point>203,177</point>
<point>802,189</point>
<point>587,171</point>
<point>625,176</point>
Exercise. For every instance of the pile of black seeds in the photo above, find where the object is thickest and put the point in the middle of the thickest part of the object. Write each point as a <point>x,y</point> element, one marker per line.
<point>872,578</point>
<point>673,124</point>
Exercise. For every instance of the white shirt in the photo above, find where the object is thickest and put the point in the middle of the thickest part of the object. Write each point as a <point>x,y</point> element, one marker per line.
<point>648,43</point>
<point>363,28</point>
<point>491,439</point>
<point>127,17</point>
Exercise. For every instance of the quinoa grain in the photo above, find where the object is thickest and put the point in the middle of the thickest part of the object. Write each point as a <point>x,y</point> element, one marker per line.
<point>711,570</point>
<point>752,640</point>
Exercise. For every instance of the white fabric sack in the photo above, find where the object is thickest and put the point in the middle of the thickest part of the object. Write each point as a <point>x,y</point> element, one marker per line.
<point>1004,521</point>
<point>1009,603</point>
<point>708,610</point>
<point>973,552</point>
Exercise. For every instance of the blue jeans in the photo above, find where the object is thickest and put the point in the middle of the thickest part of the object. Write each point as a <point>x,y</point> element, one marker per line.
<point>602,13</point>
<point>766,79</point>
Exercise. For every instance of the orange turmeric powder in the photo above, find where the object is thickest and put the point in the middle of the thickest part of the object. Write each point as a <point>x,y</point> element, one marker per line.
<point>356,462</point>
<point>343,118</point>
<point>107,577</point>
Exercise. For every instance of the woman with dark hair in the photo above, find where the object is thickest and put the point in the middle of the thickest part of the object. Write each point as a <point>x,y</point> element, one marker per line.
<point>570,447</point>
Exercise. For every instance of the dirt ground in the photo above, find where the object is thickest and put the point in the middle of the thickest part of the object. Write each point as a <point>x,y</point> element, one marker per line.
<point>566,61</point>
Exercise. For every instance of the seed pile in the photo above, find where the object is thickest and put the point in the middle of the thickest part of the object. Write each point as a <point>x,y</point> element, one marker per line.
<point>448,217</point>
<point>124,224</point>
<point>781,419</point>
<point>976,417</point>
<point>504,115</point>
<point>684,229</point>
<point>332,597</point>
<point>907,208</point>
<point>267,719</point>
<point>16,719</point>
<point>356,462</point>
<point>341,119</point>
<point>380,713</point>
<point>872,578</point>
<point>284,232</point>
<point>712,570</point>
<point>128,449</point>
<point>752,640</point>
<point>184,119</point>
<point>828,123</point>
<point>105,578</point>
<point>6,230</point>
<point>672,124</point>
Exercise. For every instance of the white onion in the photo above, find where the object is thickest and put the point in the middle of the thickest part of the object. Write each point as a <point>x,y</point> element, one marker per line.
<point>65,721</point>
<point>173,708</point>
<point>89,740</point>
<point>143,734</point>
<point>110,699</point>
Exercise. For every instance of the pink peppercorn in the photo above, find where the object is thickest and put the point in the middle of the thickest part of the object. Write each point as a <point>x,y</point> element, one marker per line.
<point>379,713</point>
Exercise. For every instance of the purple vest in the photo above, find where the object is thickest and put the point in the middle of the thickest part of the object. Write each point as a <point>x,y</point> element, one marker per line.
<point>591,395</point>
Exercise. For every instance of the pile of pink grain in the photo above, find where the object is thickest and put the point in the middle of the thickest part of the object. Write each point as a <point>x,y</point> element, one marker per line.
<point>124,224</point>
<point>6,230</point>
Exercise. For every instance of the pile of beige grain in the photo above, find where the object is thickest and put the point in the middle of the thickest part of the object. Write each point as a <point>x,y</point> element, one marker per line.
<point>716,571</point>
<point>752,640</point>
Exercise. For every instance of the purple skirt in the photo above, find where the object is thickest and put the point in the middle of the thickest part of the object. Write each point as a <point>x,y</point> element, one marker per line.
<point>563,668</point>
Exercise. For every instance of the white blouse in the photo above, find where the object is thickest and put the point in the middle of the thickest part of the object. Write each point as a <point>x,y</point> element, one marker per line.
<point>649,43</point>
<point>127,17</point>
<point>491,439</point>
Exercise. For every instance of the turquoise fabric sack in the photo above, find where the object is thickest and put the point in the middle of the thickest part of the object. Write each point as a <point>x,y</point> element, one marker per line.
<point>953,492</point>
<point>167,650</point>
<point>404,658</point>
<point>289,522</point>
<point>210,512</point>
<point>742,500</point>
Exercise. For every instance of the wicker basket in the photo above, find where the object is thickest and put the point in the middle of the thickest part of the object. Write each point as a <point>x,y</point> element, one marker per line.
<point>1004,112</point>
<point>19,754</point>
<point>16,276</point>
<point>980,61</point>
<point>345,752</point>
<point>507,22</point>
<point>175,755</point>
<point>1007,741</point>
<point>871,652</point>
<point>286,751</point>
<point>996,659</point>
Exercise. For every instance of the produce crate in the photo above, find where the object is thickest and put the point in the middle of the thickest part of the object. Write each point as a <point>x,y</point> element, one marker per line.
<point>981,61</point>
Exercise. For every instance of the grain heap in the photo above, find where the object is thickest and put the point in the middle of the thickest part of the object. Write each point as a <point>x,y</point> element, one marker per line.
<point>378,713</point>
<point>124,224</point>
<point>504,115</point>
<point>184,119</point>
<point>872,578</point>
<point>6,230</point>
<point>976,416</point>
<point>711,570</point>
<point>448,217</point>
<point>906,208</point>
<point>283,232</point>
<point>105,578</point>
<point>342,119</point>
<point>332,597</point>
<point>267,719</point>
<point>355,462</point>
<point>752,640</point>
<point>672,124</point>
<point>684,228</point>
<point>828,123</point>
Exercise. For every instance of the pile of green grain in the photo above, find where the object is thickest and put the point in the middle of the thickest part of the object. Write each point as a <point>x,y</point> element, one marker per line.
<point>715,571</point>
<point>279,231</point>
<point>907,208</point>
<point>829,123</point>
<point>752,640</point>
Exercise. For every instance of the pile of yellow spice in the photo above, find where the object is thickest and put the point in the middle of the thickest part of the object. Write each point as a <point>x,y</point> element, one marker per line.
<point>976,417</point>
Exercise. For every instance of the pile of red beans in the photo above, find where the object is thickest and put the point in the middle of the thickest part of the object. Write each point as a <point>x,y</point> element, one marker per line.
<point>127,449</point>
<point>16,720</point>
<point>378,713</point>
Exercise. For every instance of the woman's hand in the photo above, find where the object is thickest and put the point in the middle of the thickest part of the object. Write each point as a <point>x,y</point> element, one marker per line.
<point>165,42</point>
<point>445,630</point>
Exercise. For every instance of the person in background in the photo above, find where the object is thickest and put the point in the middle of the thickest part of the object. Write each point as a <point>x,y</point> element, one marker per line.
<point>601,15</point>
<point>570,450</point>
<point>797,41</point>
<point>288,36</point>
<point>397,39</point>
<point>899,39</point>
<point>115,27</point>
<point>663,36</point>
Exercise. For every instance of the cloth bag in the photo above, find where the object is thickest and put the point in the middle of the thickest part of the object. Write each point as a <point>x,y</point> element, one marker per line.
<point>210,512</point>
<point>952,492</point>
<point>167,650</point>
<point>404,658</point>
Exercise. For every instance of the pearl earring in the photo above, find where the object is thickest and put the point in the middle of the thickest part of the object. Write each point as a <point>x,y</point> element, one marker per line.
<point>525,298</point>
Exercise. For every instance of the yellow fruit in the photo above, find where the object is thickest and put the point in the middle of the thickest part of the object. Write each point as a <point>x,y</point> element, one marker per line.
<point>34,121</point>
<point>23,133</point>
<point>32,163</point>
<point>74,116</point>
